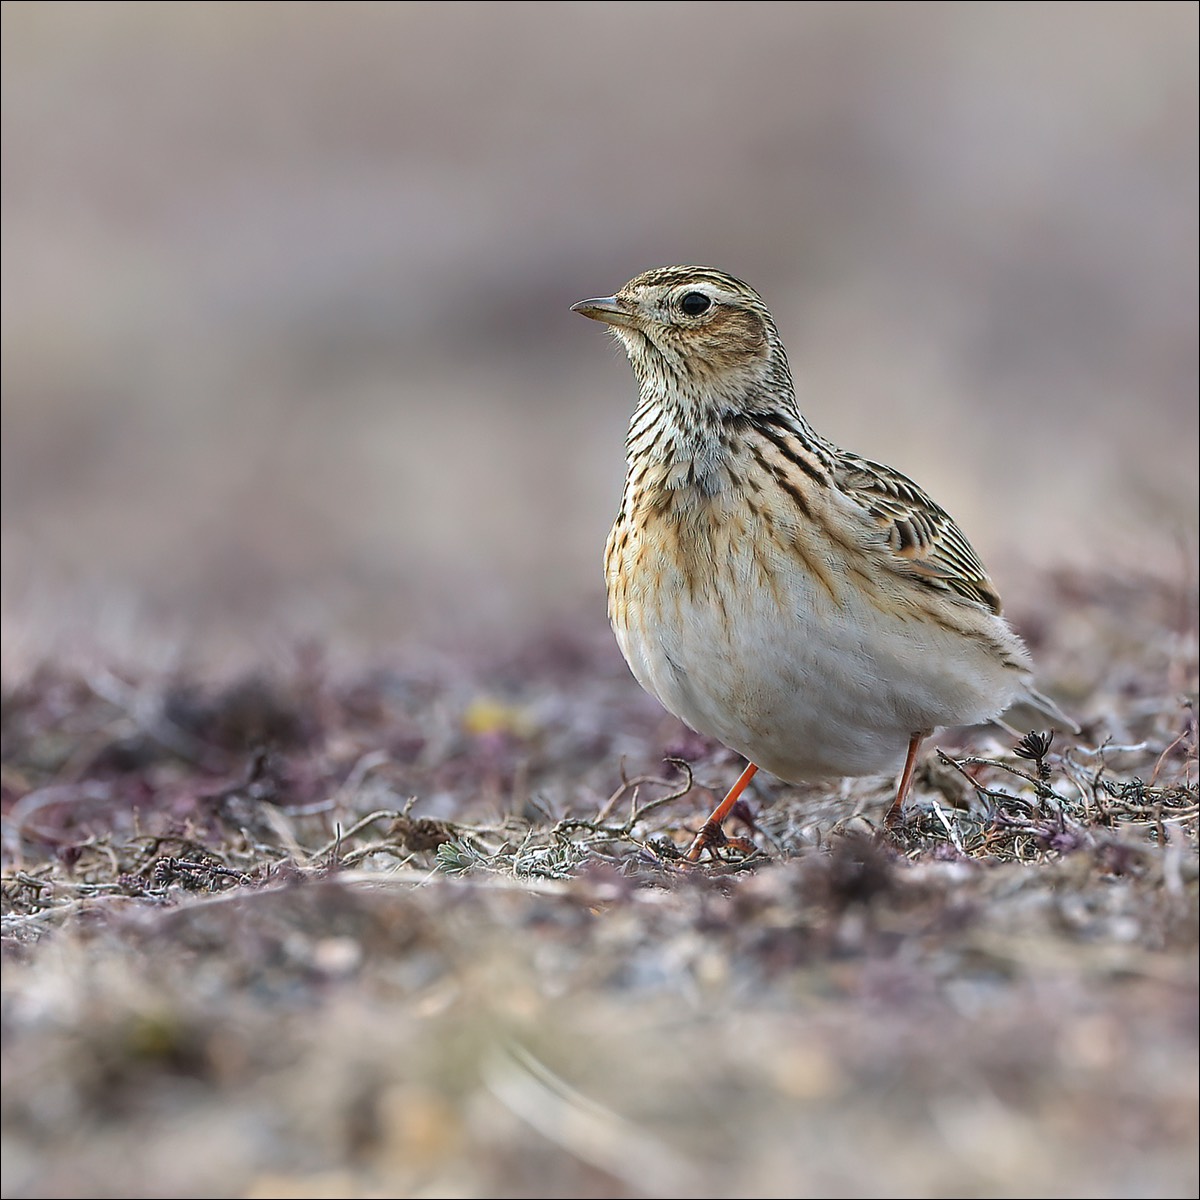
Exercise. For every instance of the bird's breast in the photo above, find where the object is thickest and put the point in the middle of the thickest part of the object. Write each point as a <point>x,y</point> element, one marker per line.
<point>709,607</point>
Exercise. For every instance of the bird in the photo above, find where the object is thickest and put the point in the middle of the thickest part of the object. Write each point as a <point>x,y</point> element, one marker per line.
<point>812,610</point>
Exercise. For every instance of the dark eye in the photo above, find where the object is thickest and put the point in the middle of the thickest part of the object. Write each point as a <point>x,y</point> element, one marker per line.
<point>694,303</point>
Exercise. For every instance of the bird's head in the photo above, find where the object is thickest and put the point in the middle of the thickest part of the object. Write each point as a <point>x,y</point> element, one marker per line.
<point>695,331</point>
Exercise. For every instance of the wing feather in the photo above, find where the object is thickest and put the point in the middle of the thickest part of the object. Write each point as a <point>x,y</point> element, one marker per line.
<point>921,535</point>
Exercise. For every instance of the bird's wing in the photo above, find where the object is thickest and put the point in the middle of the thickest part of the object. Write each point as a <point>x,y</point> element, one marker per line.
<point>924,541</point>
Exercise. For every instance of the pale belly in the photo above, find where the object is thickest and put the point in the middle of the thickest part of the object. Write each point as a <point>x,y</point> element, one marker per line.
<point>808,676</point>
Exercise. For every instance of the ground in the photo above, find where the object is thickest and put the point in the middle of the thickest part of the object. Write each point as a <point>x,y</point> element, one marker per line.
<point>421,929</point>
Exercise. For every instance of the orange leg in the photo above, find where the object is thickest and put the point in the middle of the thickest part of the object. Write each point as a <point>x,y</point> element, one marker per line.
<point>895,814</point>
<point>711,834</point>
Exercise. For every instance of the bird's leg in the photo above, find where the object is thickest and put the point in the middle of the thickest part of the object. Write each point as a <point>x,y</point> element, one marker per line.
<point>711,833</point>
<point>895,815</point>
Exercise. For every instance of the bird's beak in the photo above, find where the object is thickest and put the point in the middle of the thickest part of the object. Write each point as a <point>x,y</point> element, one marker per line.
<point>608,309</point>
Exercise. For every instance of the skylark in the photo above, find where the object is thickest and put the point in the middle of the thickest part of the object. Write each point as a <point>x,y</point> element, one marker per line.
<point>815,611</point>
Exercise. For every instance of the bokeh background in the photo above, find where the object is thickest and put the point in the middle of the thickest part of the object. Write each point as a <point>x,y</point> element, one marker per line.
<point>286,340</point>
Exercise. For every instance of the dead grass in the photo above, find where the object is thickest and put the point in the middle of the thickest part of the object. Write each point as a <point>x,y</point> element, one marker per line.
<point>422,930</point>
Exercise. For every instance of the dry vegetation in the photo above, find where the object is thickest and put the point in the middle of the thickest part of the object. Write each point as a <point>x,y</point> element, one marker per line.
<point>422,930</point>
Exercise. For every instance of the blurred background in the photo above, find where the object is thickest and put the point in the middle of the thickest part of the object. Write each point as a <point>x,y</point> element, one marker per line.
<point>286,340</point>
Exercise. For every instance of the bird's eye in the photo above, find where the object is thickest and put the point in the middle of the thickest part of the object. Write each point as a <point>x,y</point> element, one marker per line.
<point>694,303</point>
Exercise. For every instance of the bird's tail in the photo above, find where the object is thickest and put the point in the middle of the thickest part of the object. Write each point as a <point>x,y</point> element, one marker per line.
<point>1031,708</point>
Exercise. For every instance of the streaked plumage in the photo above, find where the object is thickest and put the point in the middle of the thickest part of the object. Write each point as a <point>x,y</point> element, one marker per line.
<point>813,610</point>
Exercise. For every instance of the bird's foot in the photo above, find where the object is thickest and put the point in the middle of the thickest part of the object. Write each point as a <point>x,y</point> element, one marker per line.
<point>714,839</point>
<point>893,820</point>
